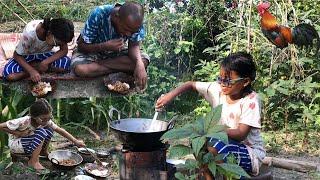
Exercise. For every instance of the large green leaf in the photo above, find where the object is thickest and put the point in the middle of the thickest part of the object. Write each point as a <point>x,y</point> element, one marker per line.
<point>197,144</point>
<point>194,135</point>
<point>213,167</point>
<point>219,157</point>
<point>179,176</point>
<point>24,112</point>
<point>12,111</point>
<point>16,98</point>
<point>191,164</point>
<point>199,126</point>
<point>270,91</point>
<point>193,177</point>
<point>208,157</point>
<point>219,135</point>
<point>217,128</point>
<point>179,151</point>
<point>283,90</point>
<point>233,168</point>
<point>213,117</point>
<point>179,133</point>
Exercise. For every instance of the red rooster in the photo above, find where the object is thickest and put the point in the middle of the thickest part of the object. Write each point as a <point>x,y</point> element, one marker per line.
<point>301,35</point>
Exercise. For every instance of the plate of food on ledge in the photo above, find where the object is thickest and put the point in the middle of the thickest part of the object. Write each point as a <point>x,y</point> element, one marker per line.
<point>120,83</point>
<point>42,88</point>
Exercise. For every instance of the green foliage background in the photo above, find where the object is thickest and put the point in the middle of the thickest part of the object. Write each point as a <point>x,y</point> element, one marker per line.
<point>185,42</point>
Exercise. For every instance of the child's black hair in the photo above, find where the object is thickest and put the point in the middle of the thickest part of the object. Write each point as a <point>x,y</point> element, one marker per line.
<point>39,107</point>
<point>242,63</point>
<point>60,28</point>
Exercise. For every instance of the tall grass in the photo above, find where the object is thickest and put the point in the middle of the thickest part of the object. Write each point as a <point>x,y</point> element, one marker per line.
<point>9,110</point>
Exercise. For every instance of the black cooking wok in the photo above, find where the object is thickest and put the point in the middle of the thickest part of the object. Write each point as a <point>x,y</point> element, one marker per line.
<point>58,156</point>
<point>139,133</point>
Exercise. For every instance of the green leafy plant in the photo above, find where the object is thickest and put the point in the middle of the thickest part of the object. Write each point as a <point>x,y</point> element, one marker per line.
<point>197,133</point>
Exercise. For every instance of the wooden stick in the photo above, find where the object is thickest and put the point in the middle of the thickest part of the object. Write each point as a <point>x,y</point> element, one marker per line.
<point>13,12</point>
<point>300,166</point>
<point>249,28</point>
<point>25,9</point>
<point>96,136</point>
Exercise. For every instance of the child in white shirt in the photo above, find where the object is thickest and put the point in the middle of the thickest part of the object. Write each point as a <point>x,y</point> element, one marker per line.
<point>33,54</point>
<point>240,110</point>
<point>31,134</point>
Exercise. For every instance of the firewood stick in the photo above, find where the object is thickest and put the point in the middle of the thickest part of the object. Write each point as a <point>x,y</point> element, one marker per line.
<point>300,166</point>
<point>96,136</point>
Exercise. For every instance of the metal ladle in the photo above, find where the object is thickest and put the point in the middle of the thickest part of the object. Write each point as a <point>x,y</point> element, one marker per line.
<point>155,115</point>
<point>99,163</point>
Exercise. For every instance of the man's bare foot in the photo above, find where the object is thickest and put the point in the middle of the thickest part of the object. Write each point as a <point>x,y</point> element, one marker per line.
<point>36,165</point>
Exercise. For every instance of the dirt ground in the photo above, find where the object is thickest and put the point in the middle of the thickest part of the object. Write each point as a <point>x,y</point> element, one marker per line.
<point>283,174</point>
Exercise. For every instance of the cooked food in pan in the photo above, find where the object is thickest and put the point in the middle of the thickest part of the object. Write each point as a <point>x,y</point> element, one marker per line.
<point>67,162</point>
<point>96,170</point>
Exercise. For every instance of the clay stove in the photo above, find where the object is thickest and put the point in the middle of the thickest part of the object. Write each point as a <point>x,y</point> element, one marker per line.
<point>145,164</point>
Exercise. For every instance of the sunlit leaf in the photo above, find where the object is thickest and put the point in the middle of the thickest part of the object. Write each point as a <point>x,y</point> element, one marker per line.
<point>283,90</point>
<point>208,50</point>
<point>270,92</point>
<point>177,50</point>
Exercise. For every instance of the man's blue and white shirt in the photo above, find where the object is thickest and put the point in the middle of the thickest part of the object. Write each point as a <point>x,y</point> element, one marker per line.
<point>98,27</point>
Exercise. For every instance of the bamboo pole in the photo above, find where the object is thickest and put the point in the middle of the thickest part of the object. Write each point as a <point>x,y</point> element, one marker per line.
<point>25,9</point>
<point>249,27</point>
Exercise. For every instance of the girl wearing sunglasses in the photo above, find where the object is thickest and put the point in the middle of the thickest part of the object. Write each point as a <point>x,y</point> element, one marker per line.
<point>240,110</point>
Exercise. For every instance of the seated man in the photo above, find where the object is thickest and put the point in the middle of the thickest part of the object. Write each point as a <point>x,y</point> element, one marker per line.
<point>102,43</point>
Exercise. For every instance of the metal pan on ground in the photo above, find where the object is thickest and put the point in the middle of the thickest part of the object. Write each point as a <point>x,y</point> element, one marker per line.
<point>82,177</point>
<point>65,159</point>
<point>175,161</point>
<point>102,153</point>
<point>86,155</point>
<point>85,151</point>
<point>96,170</point>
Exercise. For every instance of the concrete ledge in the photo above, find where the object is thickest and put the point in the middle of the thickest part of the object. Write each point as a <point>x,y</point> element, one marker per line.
<point>72,87</point>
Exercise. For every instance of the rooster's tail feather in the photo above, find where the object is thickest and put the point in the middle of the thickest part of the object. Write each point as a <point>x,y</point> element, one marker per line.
<point>304,35</point>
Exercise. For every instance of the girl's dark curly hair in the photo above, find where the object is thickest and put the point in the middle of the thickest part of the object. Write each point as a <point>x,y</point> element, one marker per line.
<point>61,28</point>
<point>242,63</point>
<point>39,107</point>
